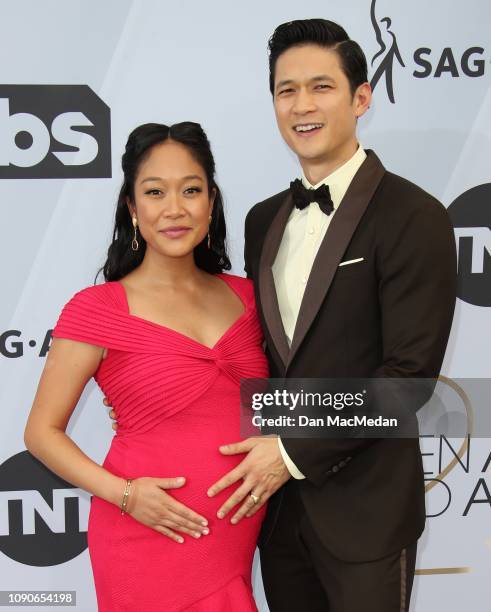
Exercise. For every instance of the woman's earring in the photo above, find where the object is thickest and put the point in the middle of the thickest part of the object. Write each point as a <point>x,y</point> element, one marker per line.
<point>134,242</point>
<point>209,238</point>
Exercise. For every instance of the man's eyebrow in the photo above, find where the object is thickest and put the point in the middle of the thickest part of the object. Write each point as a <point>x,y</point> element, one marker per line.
<point>315,79</point>
<point>283,83</point>
<point>322,77</point>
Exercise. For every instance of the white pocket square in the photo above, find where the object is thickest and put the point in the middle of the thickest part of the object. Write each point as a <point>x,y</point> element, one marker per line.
<point>351,261</point>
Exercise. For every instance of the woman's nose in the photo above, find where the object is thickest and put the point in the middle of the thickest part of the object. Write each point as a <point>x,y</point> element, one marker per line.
<point>172,206</point>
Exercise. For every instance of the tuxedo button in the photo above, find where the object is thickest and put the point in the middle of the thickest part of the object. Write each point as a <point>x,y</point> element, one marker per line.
<point>348,459</point>
<point>311,230</point>
<point>342,463</point>
<point>335,468</point>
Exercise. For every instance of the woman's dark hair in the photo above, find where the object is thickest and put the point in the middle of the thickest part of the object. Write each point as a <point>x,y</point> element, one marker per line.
<point>323,33</point>
<point>121,259</point>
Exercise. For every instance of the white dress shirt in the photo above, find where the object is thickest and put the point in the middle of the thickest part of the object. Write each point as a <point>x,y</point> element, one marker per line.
<point>303,235</point>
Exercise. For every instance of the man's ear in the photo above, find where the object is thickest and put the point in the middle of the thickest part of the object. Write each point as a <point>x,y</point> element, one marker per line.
<point>362,99</point>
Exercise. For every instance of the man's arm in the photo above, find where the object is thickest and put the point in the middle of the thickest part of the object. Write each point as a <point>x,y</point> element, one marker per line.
<point>417,269</point>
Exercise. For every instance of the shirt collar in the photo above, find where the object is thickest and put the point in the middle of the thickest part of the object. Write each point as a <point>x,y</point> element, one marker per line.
<point>339,180</point>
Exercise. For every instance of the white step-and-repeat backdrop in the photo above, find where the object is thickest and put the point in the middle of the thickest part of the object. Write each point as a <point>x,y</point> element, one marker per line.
<point>76,77</point>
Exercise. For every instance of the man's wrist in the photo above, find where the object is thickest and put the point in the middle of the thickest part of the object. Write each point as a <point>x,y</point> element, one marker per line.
<point>290,466</point>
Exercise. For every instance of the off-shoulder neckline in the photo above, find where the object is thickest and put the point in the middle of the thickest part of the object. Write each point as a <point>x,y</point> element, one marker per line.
<point>226,279</point>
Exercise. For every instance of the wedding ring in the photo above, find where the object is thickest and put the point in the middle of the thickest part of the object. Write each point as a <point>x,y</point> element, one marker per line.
<point>254,498</point>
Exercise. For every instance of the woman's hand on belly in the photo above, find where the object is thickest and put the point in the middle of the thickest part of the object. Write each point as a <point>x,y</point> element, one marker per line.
<point>151,505</point>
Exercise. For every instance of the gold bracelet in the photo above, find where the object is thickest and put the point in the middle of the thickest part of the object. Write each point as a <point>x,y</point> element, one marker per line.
<point>126,495</point>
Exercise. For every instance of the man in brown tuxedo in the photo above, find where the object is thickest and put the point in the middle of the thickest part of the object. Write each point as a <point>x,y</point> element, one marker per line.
<point>355,277</point>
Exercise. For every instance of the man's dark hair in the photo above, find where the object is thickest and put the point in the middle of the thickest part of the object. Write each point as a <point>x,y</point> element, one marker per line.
<point>323,33</point>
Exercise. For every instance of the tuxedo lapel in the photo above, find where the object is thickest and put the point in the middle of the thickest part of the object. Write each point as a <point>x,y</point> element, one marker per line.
<point>267,289</point>
<point>335,243</point>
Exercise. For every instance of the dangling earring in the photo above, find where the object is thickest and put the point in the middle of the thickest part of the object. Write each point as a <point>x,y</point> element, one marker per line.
<point>209,238</point>
<point>134,242</point>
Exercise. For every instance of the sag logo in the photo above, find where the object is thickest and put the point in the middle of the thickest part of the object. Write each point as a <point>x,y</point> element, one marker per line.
<point>43,519</point>
<point>12,346</point>
<point>53,131</point>
<point>471,62</point>
<point>471,218</point>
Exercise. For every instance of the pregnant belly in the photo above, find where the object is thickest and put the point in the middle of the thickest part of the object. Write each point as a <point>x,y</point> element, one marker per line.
<point>188,451</point>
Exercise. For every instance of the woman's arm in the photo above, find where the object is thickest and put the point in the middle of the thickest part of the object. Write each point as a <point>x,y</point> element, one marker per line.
<point>69,366</point>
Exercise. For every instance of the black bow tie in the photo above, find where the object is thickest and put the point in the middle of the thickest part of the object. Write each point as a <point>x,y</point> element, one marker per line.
<point>302,196</point>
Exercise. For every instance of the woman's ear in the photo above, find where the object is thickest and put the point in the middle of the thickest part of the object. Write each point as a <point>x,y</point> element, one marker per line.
<point>213,196</point>
<point>131,207</point>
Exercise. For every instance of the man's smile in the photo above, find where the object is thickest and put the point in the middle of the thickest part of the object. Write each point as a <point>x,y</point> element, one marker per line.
<point>307,127</point>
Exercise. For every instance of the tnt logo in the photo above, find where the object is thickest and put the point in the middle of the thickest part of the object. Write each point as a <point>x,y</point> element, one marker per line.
<point>53,131</point>
<point>43,519</point>
<point>471,218</point>
<point>480,239</point>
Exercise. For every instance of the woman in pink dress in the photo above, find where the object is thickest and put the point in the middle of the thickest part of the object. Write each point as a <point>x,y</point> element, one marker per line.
<point>168,338</point>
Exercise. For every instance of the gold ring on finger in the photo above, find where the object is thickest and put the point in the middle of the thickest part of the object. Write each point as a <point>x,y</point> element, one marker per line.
<point>254,498</point>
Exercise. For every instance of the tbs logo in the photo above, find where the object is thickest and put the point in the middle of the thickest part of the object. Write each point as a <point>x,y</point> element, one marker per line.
<point>53,131</point>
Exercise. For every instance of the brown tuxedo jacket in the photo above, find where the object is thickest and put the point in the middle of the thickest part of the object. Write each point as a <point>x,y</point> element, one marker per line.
<point>387,316</point>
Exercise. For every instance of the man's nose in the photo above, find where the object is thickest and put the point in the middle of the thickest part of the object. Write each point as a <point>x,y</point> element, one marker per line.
<point>304,102</point>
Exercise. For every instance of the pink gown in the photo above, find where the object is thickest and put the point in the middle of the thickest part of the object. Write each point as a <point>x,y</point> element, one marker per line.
<point>177,401</point>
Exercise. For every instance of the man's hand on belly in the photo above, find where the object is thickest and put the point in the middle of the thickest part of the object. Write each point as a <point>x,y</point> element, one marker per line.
<point>262,470</point>
<point>111,413</point>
